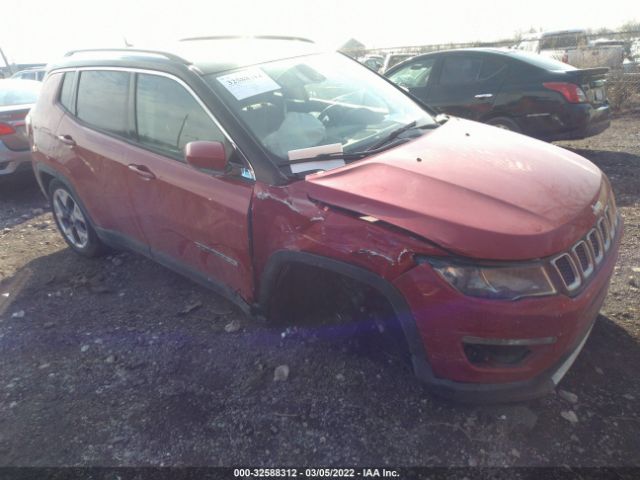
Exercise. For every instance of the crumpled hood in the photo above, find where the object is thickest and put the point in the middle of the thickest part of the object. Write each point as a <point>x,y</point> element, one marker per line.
<point>476,190</point>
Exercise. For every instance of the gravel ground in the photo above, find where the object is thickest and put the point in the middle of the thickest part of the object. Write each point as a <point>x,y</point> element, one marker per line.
<point>118,361</point>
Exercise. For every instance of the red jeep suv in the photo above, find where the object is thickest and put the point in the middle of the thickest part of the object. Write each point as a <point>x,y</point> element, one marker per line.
<point>269,170</point>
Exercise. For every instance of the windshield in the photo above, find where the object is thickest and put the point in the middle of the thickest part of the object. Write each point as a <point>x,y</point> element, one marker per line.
<point>18,92</point>
<point>325,101</point>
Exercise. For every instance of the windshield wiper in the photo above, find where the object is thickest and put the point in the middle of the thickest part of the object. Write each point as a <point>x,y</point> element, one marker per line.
<point>442,118</point>
<point>343,155</point>
<point>399,131</point>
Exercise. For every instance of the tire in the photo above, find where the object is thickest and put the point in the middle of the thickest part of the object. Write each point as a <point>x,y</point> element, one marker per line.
<point>504,123</point>
<point>73,222</point>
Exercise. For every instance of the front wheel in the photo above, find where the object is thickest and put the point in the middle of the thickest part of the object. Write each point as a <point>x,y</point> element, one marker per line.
<point>72,221</point>
<point>504,123</point>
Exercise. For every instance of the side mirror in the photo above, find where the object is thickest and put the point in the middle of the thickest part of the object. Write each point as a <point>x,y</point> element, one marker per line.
<point>206,155</point>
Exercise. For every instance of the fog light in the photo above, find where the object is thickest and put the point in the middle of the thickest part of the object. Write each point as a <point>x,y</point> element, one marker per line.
<point>495,355</point>
<point>496,352</point>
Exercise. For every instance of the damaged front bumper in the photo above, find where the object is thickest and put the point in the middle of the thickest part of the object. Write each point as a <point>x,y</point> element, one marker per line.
<point>552,329</point>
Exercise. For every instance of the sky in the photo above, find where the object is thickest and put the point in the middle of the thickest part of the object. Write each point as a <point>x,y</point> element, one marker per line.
<point>42,30</point>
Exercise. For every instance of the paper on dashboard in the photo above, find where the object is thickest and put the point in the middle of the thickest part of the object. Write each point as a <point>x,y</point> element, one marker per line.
<point>316,164</point>
<point>248,83</point>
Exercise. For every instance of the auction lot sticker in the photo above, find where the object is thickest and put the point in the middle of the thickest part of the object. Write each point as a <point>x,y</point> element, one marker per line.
<point>248,82</point>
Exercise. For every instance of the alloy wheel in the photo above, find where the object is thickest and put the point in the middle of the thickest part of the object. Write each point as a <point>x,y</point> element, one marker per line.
<point>70,219</point>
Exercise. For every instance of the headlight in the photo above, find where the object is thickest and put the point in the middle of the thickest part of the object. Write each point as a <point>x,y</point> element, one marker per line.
<point>505,283</point>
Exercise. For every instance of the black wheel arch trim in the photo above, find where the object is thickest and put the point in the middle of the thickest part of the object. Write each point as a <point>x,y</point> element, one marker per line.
<point>282,258</point>
<point>39,169</point>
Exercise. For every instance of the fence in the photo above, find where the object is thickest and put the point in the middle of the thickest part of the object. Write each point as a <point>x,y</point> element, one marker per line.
<point>631,36</point>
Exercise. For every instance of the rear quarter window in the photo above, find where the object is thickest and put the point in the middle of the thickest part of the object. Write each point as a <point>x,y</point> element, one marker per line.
<point>102,100</point>
<point>66,92</point>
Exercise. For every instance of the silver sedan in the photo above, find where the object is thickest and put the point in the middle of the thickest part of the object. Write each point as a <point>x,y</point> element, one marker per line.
<point>16,99</point>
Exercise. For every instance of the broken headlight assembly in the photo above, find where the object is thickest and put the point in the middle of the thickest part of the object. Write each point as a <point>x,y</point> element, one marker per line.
<point>509,282</point>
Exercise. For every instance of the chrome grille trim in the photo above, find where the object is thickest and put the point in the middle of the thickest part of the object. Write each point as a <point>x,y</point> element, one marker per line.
<point>576,266</point>
<point>612,221</point>
<point>603,227</point>
<point>584,259</point>
<point>594,239</point>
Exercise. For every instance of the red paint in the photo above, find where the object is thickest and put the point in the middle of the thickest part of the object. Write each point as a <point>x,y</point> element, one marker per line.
<point>6,129</point>
<point>479,191</point>
<point>444,316</point>
<point>207,155</point>
<point>183,212</point>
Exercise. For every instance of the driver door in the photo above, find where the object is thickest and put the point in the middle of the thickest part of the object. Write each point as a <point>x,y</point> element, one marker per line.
<point>195,221</point>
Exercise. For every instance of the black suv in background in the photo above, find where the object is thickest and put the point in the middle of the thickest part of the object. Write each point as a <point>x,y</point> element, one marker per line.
<point>518,91</point>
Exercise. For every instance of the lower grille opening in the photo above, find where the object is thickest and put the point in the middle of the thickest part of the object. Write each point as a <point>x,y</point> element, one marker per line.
<point>495,355</point>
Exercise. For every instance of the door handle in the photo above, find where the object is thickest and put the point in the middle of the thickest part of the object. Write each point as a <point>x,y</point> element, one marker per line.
<point>67,140</point>
<point>141,170</point>
<point>484,95</point>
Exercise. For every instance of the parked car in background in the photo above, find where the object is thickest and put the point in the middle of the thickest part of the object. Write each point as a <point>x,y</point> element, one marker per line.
<point>573,47</point>
<point>391,59</point>
<point>30,74</point>
<point>287,176</point>
<point>16,99</point>
<point>381,63</point>
<point>374,62</point>
<point>514,90</point>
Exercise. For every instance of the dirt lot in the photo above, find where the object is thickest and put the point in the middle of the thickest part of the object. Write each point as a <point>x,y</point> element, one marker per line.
<point>118,361</point>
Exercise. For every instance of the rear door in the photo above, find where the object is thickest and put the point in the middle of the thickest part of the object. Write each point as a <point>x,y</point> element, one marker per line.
<point>466,84</point>
<point>92,139</point>
<point>194,221</point>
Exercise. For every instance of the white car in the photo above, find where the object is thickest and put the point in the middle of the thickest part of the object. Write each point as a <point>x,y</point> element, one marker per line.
<point>573,47</point>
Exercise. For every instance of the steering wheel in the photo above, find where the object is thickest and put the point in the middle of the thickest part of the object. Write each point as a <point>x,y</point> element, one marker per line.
<point>325,114</point>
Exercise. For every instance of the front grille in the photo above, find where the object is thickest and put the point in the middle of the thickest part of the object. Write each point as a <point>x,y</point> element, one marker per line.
<point>576,266</point>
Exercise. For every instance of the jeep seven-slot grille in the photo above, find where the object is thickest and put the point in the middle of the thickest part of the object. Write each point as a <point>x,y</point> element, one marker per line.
<point>576,266</point>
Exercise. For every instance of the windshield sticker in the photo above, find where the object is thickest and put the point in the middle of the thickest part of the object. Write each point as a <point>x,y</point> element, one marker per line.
<point>248,82</point>
<point>316,164</point>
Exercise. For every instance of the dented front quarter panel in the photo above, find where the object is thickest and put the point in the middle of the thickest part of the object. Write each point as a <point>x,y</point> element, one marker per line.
<point>285,218</point>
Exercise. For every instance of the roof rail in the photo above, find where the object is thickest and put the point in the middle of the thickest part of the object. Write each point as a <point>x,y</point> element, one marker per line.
<point>168,55</point>
<point>260,37</point>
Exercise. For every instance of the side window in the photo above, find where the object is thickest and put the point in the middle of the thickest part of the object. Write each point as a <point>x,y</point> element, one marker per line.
<point>460,70</point>
<point>168,117</point>
<point>414,75</point>
<point>66,92</point>
<point>102,100</point>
